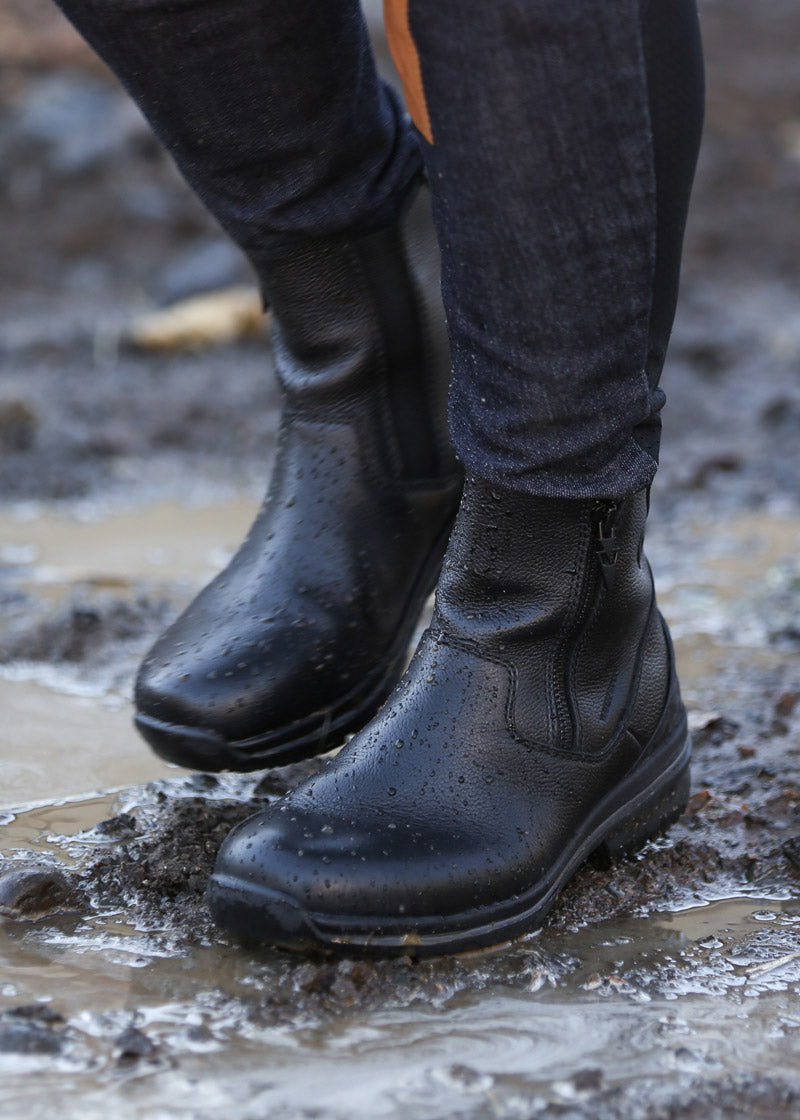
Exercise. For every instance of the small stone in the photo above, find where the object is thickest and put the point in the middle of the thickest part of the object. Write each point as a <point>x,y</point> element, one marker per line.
<point>29,893</point>
<point>708,358</point>
<point>27,1038</point>
<point>309,978</point>
<point>344,991</point>
<point>41,1012</point>
<point>698,801</point>
<point>715,732</point>
<point>723,461</point>
<point>110,439</point>
<point>199,1034</point>
<point>122,825</point>
<point>33,1029</point>
<point>588,1080</point>
<point>18,424</point>
<point>791,849</point>
<point>467,1077</point>
<point>132,1045</point>
<point>788,634</point>
<point>272,785</point>
<point>202,783</point>
<point>786,703</point>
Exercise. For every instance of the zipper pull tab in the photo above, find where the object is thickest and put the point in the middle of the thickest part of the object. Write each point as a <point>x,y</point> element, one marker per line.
<point>606,545</point>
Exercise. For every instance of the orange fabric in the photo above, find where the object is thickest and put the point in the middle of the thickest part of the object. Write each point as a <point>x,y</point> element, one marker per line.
<point>406,59</point>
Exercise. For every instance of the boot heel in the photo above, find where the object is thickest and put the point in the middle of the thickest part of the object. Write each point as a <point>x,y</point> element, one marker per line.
<point>653,816</point>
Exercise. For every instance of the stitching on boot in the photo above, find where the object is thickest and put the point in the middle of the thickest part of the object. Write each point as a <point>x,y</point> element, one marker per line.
<point>445,637</point>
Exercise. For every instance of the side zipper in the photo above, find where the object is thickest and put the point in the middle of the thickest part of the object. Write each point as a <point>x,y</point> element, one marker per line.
<point>606,544</point>
<point>605,547</point>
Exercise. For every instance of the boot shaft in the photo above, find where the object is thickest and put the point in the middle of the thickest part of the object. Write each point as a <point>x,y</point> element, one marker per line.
<point>560,592</point>
<point>359,336</point>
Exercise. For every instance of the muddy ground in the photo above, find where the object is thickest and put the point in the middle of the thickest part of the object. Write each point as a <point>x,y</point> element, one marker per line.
<point>103,871</point>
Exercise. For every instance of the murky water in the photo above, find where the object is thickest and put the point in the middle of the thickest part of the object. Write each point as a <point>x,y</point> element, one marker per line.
<point>164,549</point>
<point>706,991</point>
<point>671,999</point>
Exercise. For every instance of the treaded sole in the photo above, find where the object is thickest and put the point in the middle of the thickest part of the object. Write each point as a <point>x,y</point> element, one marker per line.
<point>255,913</point>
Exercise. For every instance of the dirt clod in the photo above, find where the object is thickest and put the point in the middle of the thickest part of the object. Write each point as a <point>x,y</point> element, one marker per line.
<point>80,629</point>
<point>31,1030</point>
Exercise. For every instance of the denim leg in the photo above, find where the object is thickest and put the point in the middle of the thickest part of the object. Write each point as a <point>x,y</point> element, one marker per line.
<point>564,135</point>
<point>274,112</point>
<point>560,182</point>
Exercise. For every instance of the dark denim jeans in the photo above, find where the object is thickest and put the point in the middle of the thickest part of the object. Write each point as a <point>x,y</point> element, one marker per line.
<point>564,137</point>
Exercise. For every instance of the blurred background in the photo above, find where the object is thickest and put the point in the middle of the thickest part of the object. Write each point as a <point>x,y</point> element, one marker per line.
<point>138,414</point>
<point>97,229</point>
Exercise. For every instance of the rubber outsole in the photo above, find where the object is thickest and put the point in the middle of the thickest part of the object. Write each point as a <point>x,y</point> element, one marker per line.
<point>257,913</point>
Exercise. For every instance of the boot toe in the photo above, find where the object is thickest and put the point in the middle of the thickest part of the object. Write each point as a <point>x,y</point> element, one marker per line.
<point>307,870</point>
<point>256,699</point>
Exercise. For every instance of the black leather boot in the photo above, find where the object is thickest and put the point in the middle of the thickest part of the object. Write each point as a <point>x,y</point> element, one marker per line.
<point>540,719</point>
<point>299,640</point>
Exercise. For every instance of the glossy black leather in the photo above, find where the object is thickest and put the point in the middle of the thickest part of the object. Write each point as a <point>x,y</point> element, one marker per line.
<point>539,719</point>
<point>306,630</point>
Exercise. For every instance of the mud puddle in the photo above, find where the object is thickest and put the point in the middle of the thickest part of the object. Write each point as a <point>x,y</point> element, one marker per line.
<point>663,1010</point>
<point>667,982</point>
<point>95,540</point>
<point>83,590</point>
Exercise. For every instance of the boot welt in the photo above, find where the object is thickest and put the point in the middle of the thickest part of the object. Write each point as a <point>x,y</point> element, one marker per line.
<point>650,799</point>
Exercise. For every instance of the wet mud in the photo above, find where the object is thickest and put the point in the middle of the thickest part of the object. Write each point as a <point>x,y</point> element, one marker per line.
<point>664,985</point>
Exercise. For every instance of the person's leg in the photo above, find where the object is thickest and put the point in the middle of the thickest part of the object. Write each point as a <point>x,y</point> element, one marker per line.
<point>274,113</point>
<point>541,716</point>
<point>277,118</point>
<point>564,139</point>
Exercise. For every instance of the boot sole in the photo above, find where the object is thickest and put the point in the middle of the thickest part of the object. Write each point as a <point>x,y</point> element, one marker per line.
<point>628,817</point>
<point>198,748</point>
